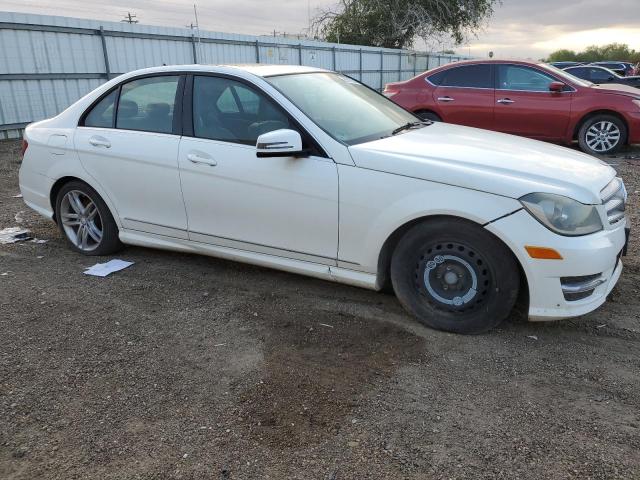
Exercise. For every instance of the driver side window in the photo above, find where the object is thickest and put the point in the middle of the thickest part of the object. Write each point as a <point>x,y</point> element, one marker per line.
<point>231,111</point>
<point>521,78</point>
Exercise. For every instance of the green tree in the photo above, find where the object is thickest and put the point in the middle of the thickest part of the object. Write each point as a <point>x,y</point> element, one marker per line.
<point>563,55</point>
<point>596,53</point>
<point>397,23</point>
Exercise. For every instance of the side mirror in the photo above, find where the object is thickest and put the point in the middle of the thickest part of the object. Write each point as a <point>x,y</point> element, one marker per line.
<point>610,79</point>
<point>556,86</point>
<point>279,143</point>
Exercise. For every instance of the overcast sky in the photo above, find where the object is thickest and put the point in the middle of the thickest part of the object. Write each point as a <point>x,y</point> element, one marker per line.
<point>519,28</point>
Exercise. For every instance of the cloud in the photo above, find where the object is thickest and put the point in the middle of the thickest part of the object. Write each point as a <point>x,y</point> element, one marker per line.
<point>518,28</point>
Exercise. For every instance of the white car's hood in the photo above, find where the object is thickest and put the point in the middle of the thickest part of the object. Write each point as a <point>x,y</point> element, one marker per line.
<point>482,160</point>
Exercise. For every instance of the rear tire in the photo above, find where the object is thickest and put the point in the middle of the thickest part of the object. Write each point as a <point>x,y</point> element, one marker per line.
<point>455,276</point>
<point>602,135</point>
<point>85,220</point>
<point>427,115</point>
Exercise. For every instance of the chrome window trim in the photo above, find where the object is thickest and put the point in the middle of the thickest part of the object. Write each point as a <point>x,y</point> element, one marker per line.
<point>464,88</point>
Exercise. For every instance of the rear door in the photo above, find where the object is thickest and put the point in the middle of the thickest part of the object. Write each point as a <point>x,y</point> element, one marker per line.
<point>128,142</point>
<point>525,105</point>
<point>464,95</point>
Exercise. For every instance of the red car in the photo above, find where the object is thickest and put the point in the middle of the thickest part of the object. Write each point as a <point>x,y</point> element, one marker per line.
<point>522,98</point>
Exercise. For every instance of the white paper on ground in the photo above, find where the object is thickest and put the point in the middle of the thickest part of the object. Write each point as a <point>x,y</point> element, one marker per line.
<point>104,269</point>
<point>14,234</point>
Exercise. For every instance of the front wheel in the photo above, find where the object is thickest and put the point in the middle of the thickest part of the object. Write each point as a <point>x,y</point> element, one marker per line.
<point>602,135</point>
<point>455,276</point>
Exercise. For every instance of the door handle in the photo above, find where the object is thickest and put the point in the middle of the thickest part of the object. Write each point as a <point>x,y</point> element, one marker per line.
<point>100,142</point>
<point>505,101</point>
<point>446,99</point>
<point>205,160</point>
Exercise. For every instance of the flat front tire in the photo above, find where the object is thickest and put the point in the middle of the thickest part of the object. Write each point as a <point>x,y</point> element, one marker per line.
<point>455,276</point>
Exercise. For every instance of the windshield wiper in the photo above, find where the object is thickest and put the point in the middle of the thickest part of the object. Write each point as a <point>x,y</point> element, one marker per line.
<point>409,126</point>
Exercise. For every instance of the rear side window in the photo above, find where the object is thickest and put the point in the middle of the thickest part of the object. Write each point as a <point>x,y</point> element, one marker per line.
<point>101,115</point>
<point>467,76</point>
<point>599,75</point>
<point>148,104</point>
<point>436,78</point>
<point>579,72</point>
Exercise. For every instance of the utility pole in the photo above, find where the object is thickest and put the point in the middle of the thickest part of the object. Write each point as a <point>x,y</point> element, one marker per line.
<point>195,12</point>
<point>128,18</point>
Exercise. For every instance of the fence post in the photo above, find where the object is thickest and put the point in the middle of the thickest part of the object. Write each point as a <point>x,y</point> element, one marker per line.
<point>360,63</point>
<point>400,65</point>
<point>257,52</point>
<point>299,54</point>
<point>427,65</point>
<point>107,67</point>
<point>333,58</point>
<point>415,64</point>
<point>381,70</point>
<point>193,48</point>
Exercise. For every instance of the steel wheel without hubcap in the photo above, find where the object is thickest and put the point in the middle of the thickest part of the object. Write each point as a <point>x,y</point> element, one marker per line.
<point>452,277</point>
<point>603,136</point>
<point>81,220</point>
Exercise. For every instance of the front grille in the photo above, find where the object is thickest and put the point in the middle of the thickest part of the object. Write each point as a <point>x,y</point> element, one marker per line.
<point>614,199</point>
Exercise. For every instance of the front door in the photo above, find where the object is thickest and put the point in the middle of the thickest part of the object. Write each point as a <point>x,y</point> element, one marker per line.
<point>525,105</point>
<point>134,157</point>
<point>282,206</point>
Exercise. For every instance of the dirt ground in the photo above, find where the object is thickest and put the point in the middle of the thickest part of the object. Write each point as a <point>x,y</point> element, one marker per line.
<point>190,367</point>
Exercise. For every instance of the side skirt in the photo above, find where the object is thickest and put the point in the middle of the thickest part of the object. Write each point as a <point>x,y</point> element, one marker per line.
<point>324,272</point>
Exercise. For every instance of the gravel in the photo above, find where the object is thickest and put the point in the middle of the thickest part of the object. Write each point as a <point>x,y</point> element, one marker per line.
<point>190,367</point>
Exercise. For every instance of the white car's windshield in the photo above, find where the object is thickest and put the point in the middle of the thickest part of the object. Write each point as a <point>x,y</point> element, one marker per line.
<point>342,107</point>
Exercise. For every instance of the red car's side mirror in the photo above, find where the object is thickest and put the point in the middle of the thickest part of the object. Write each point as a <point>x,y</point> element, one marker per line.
<point>556,86</point>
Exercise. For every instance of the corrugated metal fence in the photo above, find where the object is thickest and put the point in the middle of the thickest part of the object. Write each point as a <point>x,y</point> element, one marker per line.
<point>47,63</point>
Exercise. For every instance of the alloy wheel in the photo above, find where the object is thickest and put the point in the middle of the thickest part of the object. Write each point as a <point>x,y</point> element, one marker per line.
<point>603,136</point>
<point>81,220</point>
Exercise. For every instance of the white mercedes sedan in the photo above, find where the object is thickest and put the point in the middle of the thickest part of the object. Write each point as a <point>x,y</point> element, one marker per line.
<point>312,172</point>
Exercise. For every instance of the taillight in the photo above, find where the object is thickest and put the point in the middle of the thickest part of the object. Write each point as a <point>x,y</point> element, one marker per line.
<point>25,145</point>
<point>389,93</point>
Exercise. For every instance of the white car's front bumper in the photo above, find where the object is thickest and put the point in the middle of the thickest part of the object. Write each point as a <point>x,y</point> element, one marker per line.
<point>586,256</point>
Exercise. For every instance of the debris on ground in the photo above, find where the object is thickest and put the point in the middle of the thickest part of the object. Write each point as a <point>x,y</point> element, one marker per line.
<point>104,269</point>
<point>532,337</point>
<point>17,196</point>
<point>14,234</point>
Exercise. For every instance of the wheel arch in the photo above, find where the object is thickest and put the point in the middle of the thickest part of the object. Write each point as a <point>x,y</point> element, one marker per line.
<point>418,111</point>
<point>594,113</point>
<point>383,276</point>
<point>63,180</point>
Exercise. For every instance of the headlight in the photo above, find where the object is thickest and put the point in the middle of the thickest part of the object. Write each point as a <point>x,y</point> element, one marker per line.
<point>563,215</point>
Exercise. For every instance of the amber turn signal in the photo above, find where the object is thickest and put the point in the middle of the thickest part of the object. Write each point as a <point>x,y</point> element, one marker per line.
<point>543,253</point>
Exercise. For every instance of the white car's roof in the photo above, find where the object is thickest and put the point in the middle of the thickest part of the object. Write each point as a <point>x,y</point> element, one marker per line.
<point>260,70</point>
